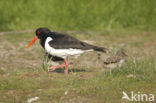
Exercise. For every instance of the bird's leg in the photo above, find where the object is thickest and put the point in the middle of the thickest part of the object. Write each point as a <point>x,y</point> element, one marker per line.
<point>60,66</point>
<point>110,71</point>
<point>55,67</point>
<point>66,64</point>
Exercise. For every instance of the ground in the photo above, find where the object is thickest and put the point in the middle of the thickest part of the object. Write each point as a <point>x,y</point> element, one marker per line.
<point>23,75</point>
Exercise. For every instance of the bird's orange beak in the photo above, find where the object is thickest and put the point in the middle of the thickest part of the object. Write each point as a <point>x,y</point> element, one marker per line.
<point>32,42</point>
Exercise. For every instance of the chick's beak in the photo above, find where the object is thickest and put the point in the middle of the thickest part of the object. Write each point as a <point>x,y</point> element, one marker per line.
<point>32,42</point>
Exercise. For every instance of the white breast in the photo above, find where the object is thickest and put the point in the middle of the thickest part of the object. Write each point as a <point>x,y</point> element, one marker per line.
<point>121,62</point>
<point>63,53</point>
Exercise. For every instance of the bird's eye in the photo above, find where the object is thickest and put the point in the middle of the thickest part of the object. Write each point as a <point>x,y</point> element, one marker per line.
<point>38,32</point>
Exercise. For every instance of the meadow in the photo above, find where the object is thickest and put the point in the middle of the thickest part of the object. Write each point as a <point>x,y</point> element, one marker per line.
<point>113,24</point>
<point>91,15</point>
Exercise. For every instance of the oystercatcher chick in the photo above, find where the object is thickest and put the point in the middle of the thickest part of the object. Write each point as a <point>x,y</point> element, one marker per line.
<point>62,45</point>
<point>115,60</point>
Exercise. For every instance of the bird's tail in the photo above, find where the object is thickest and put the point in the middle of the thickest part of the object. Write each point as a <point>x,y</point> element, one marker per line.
<point>100,49</point>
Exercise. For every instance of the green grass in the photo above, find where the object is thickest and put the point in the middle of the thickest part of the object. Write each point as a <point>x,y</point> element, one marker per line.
<point>116,24</point>
<point>102,87</point>
<point>78,14</point>
<point>22,75</point>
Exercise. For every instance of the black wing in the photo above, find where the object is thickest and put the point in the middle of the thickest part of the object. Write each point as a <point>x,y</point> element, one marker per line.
<point>63,41</point>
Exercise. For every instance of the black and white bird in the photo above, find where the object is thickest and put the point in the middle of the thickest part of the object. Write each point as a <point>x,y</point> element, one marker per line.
<point>115,60</point>
<point>62,45</point>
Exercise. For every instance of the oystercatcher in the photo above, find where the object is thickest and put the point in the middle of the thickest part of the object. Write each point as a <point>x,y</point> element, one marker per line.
<point>115,60</point>
<point>62,45</point>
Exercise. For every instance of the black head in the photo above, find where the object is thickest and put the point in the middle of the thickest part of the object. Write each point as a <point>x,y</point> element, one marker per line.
<point>42,32</point>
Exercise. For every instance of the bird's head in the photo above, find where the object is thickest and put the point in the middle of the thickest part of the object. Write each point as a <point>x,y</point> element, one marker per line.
<point>121,53</point>
<point>40,33</point>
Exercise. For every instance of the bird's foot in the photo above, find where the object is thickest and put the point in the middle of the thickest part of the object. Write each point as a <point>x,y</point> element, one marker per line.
<point>55,67</point>
<point>60,66</point>
<point>51,69</point>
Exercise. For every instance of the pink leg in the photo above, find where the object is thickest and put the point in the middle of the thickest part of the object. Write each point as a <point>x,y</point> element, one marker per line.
<point>60,66</point>
<point>66,64</point>
<point>55,67</point>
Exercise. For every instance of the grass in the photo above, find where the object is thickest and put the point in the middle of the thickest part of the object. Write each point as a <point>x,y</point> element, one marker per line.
<point>79,15</point>
<point>102,87</point>
<point>22,76</point>
<point>128,24</point>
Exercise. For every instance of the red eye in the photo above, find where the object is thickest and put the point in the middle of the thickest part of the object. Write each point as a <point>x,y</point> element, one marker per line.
<point>38,32</point>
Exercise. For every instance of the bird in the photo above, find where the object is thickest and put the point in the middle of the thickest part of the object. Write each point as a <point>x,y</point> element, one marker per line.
<point>115,60</point>
<point>61,46</point>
